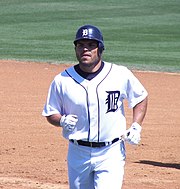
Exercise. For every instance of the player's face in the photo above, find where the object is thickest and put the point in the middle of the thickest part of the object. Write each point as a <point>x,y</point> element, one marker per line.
<point>87,55</point>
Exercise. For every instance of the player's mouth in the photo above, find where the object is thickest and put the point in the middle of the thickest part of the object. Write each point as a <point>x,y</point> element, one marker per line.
<point>86,55</point>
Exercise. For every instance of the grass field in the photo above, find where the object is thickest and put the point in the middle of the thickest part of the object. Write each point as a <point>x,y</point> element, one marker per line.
<point>140,34</point>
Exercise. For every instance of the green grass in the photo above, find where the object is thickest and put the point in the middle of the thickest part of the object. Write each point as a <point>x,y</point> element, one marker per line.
<point>140,34</point>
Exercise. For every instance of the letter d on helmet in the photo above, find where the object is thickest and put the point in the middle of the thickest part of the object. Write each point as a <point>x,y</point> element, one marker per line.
<point>90,32</point>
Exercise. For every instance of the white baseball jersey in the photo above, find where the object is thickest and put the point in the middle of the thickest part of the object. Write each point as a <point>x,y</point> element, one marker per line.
<point>98,102</point>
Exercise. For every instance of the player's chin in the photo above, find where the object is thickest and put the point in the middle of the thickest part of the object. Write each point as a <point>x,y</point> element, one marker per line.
<point>86,64</point>
<point>85,61</point>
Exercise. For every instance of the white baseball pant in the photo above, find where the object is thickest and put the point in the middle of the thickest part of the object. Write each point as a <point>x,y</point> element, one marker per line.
<point>96,168</point>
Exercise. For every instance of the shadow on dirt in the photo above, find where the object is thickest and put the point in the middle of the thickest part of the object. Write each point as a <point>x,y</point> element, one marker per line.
<point>159,164</point>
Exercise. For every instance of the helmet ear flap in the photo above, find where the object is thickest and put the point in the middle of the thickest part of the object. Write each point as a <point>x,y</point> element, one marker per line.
<point>100,47</point>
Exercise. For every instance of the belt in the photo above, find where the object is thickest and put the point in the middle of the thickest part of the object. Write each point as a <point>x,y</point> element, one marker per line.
<point>94,144</point>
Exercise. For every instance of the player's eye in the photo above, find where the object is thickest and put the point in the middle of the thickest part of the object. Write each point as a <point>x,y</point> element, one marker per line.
<point>79,45</point>
<point>93,45</point>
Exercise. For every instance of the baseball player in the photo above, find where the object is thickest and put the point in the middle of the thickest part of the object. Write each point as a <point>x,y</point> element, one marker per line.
<point>86,100</point>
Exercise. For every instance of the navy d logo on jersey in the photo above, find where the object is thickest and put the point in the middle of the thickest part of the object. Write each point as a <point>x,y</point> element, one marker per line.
<point>112,100</point>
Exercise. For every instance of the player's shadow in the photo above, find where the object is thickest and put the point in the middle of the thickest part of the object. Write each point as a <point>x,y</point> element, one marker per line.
<point>159,164</point>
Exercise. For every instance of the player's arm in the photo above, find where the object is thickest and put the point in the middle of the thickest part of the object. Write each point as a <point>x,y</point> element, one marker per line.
<point>139,111</point>
<point>133,134</point>
<point>54,119</point>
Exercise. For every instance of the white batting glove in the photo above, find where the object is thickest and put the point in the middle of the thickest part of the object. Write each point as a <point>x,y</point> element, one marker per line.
<point>133,134</point>
<point>68,122</point>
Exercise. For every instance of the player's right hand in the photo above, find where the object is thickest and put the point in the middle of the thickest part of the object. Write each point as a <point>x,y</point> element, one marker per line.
<point>68,122</point>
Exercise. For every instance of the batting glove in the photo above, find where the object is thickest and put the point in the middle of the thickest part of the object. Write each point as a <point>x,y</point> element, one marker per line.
<point>68,122</point>
<point>133,134</point>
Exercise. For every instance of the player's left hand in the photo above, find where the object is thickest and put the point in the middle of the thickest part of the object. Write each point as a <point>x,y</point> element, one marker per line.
<point>133,134</point>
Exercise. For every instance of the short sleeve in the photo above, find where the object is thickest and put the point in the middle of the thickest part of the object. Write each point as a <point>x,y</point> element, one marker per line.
<point>53,102</point>
<point>135,91</point>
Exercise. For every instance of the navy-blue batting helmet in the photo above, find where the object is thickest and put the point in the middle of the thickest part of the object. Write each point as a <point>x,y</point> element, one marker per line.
<point>90,32</point>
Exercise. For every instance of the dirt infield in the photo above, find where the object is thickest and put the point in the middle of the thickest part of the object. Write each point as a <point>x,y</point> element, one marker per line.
<point>33,153</point>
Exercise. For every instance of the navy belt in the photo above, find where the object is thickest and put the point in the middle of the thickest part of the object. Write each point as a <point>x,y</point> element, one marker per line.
<point>94,144</point>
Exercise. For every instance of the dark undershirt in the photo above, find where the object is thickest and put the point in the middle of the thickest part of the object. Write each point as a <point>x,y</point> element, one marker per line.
<point>87,75</point>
